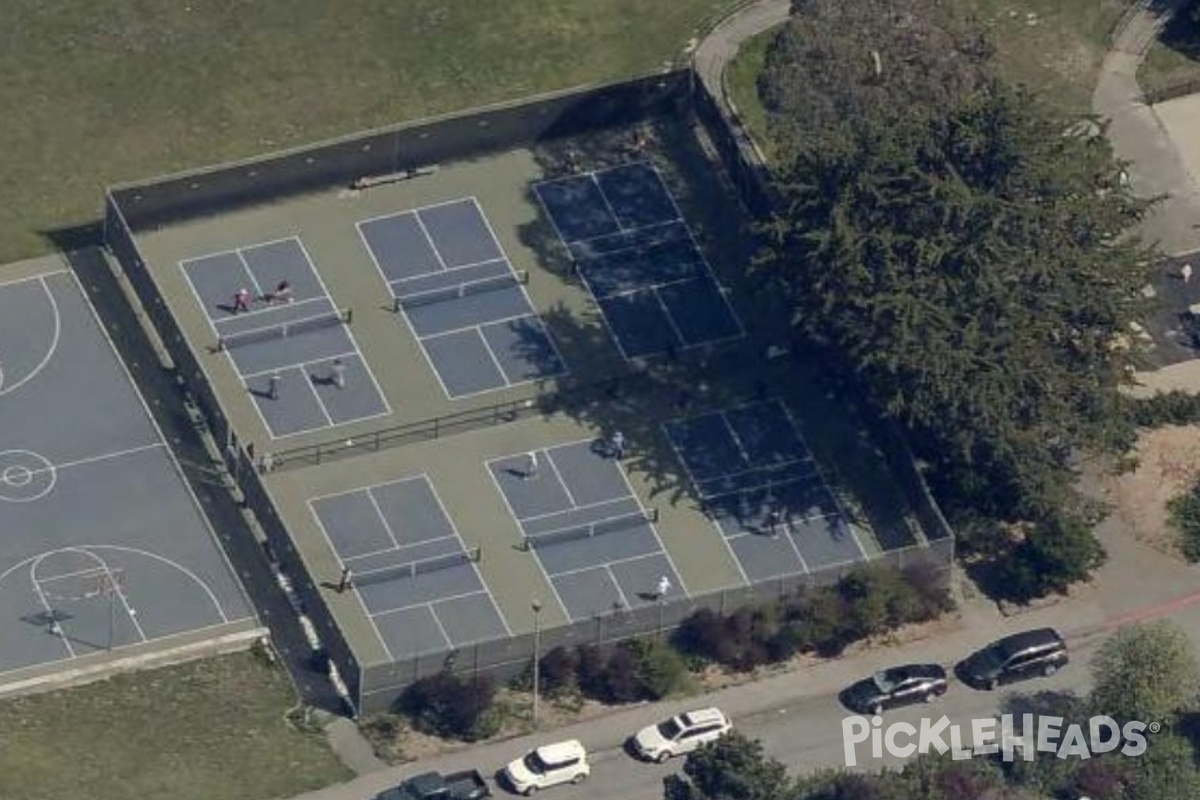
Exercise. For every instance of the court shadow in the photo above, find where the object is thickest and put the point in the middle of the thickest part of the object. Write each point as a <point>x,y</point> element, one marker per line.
<point>322,380</point>
<point>226,307</point>
<point>262,394</point>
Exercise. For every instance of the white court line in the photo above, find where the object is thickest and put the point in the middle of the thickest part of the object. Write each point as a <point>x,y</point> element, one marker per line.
<point>478,575</point>
<point>679,337</point>
<point>653,528</point>
<point>269,309</point>
<point>558,476</point>
<point>790,524</point>
<point>93,459</point>
<point>549,514</point>
<point>472,327</point>
<point>441,628</point>
<point>492,355</point>
<point>301,365</point>
<point>395,482</point>
<point>737,440</point>
<point>382,217</point>
<point>346,328</point>
<point>38,277</point>
<point>387,527</point>
<point>403,313</point>
<point>258,291</point>
<point>535,319</point>
<point>342,566</point>
<point>425,603</point>
<point>629,233</point>
<point>60,635</point>
<point>516,519</point>
<point>65,575</point>
<point>307,380</point>
<point>425,275</point>
<point>396,549</point>
<point>607,564</point>
<point>617,584</point>
<point>821,473</point>
<point>41,279</point>
<point>607,204</point>
<point>612,332</point>
<point>429,240</point>
<point>692,480</point>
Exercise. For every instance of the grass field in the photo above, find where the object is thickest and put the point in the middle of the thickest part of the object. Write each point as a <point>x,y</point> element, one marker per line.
<point>210,730</point>
<point>1054,46</point>
<point>103,92</point>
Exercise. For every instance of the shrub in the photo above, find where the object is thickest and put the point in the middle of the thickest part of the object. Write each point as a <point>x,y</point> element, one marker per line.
<point>559,671</point>
<point>451,707</point>
<point>590,671</point>
<point>1185,519</point>
<point>1056,553</point>
<point>621,683</point>
<point>1166,408</point>
<point>660,669</point>
<point>703,634</point>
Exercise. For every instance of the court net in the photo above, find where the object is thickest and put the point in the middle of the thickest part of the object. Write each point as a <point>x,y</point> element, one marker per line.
<point>415,568</point>
<point>578,532</point>
<point>431,296</point>
<point>316,322</point>
<point>758,478</point>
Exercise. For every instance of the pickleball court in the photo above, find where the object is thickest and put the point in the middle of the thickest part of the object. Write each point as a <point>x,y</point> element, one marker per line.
<point>759,483</point>
<point>416,578</point>
<point>580,519</point>
<point>299,346</point>
<point>461,298</point>
<point>638,259</point>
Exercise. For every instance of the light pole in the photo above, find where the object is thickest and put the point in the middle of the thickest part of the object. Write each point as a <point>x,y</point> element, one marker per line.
<point>536,605</point>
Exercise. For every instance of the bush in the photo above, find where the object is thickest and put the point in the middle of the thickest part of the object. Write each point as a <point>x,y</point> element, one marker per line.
<point>591,671</point>
<point>1185,519</point>
<point>451,707</point>
<point>559,672</point>
<point>661,670</point>
<point>1056,553</point>
<point>621,683</point>
<point>703,634</point>
<point>1165,408</point>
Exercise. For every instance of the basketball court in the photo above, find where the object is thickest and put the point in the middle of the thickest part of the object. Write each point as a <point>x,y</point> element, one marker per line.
<point>103,546</point>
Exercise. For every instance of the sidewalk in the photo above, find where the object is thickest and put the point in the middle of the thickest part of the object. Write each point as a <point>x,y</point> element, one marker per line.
<point>1137,136</point>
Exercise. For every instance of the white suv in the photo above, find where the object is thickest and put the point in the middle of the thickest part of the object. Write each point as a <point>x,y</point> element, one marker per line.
<point>681,734</point>
<point>549,765</point>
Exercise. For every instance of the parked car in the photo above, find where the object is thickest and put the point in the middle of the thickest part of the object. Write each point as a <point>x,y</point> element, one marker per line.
<point>898,686</point>
<point>549,765</point>
<point>1022,655</point>
<point>679,735</point>
<point>467,785</point>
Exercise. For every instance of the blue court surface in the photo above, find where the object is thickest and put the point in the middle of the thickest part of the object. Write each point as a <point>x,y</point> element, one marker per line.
<point>300,343</point>
<point>103,545</point>
<point>638,260</point>
<point>412,572</point>
<point>581,520</point>
<point>759,483</point>
<point>461,297</point>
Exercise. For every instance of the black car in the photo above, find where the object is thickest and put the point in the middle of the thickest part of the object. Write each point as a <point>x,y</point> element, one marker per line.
<point>1022,655</point>
<point>898,686</point>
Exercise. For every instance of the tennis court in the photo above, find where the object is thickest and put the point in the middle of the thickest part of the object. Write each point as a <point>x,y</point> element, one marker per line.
<point>292,348</point>
<point>461,298</point>
<point>580,519</point>
<point>103,546</point>
<point>409,567</point>
<point>758,482</point>
<point>638,259</point>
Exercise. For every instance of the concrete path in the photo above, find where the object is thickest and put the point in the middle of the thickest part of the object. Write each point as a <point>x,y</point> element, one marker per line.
<point>1137,135</point>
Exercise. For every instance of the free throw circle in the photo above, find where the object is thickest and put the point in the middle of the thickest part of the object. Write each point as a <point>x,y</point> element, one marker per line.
<point>25,476</point>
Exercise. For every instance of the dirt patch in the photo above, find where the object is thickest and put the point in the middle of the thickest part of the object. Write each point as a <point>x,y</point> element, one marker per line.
<point>1168,464</point>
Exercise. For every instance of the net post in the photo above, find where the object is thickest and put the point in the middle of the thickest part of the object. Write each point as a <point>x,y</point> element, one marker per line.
<point>220,344</point>
<point>396,305</point>
<point>652,514</point>
<point>348,316</point>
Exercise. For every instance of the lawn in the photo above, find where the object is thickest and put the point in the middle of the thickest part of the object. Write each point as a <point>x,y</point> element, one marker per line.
<point>125,89</point>
<point>1054,46</point>
<point>209,730</point>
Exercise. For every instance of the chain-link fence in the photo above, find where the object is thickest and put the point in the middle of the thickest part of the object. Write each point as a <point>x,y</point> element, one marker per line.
<point>131,208</point>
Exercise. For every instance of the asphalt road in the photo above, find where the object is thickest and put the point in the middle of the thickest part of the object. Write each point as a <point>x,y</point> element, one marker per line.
<point>807,735</point>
